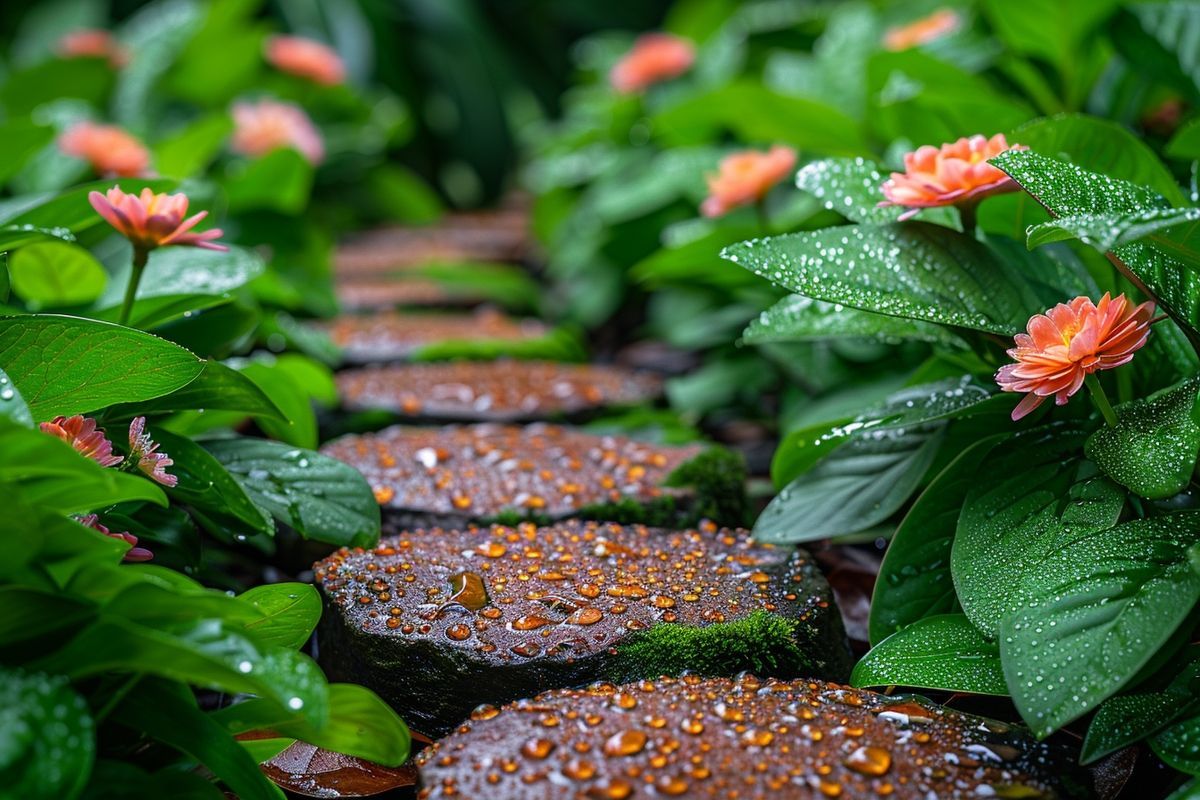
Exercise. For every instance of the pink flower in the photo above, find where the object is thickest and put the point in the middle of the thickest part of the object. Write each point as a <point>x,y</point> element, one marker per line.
<point>923,31</point>
<point>306,58</point>
<point>93,43</point>
<point>746,177</point>
<point>110,150</point>
<point>1069,342</point>
<point>81,433</point>
<point>144,451</point>
<point>153,220</point>
<point>950,175</point>
<point>268,125</point>
<point>655,57</point>
<point>134,553</point>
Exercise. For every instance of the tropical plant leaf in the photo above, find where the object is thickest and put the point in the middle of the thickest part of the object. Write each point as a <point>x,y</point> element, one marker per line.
<point>290,613</point>
<point>942,652</point>
<point>56,274</point>
<point>796,318</point>
<point>47,737</point>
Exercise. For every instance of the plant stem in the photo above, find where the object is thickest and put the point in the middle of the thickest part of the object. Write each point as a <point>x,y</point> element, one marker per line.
<point>140,257</point>
<point>760,207</point>
<point>966,217</point>
<point>1100,399</point>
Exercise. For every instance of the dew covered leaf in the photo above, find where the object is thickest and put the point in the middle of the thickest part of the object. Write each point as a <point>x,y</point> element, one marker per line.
<point>47,739</point>
<point>1027,494</point>
<point>1107,231</point>
<point>849,186</point>
<point>1097,607</point>
<point>1179,746</point>
<point>796,318</point>
<point>1153,447</point>
<point>12,405</point>
<point>191,270</point>
<point>944,651</point>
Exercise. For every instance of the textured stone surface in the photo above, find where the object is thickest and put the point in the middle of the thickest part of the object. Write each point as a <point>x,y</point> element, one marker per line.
<point>486,236</point>
<point>745,738</point>
<point>438,622</point>
<point>392,336</point>
<point>498,391</point>
<point>383,293</point>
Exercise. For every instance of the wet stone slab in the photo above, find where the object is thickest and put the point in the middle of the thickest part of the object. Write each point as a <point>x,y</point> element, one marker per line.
<point>453,475</point>
<point>383,293</point>
<point>438,622</point>
<point>745,738</point>
<point>494,391</point>
<point>393,336</point>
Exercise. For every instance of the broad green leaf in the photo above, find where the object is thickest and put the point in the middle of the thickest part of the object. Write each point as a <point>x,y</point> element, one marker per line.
<point>1053,31</point>
<point>69,209</point>
<point>1108,231</point>
<point>914,270</point>
<point>25,89</point>
<point>14,236</point>
<point>1027,495</point>
<point>290,613</point>
<point>1185,144</point>
<point>852,187</point>
<point>189,271</point>
<point>12,405</point>
<point>1097,606</point>
<point>942,652</point>
<point>652,182</point>
<point>798,319</point>
<point>322,498</point>
<point>299,424</point>
<point>1179,746</point>
<point>189,151</point>
<point>218,388</point>
<point>1188,791</point>
<point>67,365</point>
<point>1153,447</point>
<point>914,580</point>
<point>56,274</point>
<point>150,313</point>
<point>279,181</point>
<point>1163,39</point>
<point>20,139</point>
<point>47,737</point>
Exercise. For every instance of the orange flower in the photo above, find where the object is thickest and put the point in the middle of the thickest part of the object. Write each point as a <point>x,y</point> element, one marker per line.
<point>110,150</point>
<point>306,58</point>
<point>267,125</point>
<point>143,451</point>
<point>1069,342</point>
<point>153,220</point>
<point>952,174</point>
<point>93,43</point>
<point>133,554</point>
<point>940,23</point>
<point>745,178</point>
<point>655,57</point>
<point>81,433</point>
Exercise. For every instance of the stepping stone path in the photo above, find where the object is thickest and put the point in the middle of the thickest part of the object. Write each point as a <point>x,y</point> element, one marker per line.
<point>496,391</point>
<point>395,336</point>
<point>376,294</point>
<point>458,474</point>
<point>745,738</point>
<point>440,621</point>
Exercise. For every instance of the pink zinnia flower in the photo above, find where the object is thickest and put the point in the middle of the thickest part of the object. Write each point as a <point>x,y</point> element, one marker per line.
<point>306,58</point>
<point>81,433</point>
<point>110,150</point>
<point>268,125</point>
<point>134,553</point>
<point>950,175</point>
<point>940,23</point>
<point>93,43</point>
<point>144,451</point>
<point>1069,342</point>
<point>153,220</point>
<point>655,57</point>
<point>746,177</point>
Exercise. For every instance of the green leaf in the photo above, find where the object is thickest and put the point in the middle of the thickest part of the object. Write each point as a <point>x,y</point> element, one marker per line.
<point>14,236</point>
<point>1098,605</point>
<point>1185,144</point>
<point>47,737</point>
<point>189,151</point>
<point>942,652</point>
<point>852,187</point>
<point>56,274</point>
<point>914,579</point>
<point>290,613</point>
<point>67,365</point>
<point>1108,231</point>
<point>1188,791</point>
<point>1153,447</point>
<point>218,388</point>
<point>279,181</point>
<point>913,270</point>
<point>20,139</point>
<point>69,209</point>
<point>1027,494</point>
<point>1053,31</point>
<point>189,271</point>
<point>12,405</point>
<point>1179,746</point>
<point>800,319</point>
<point>1163,39</point>
<point>298,425</point>
<point>322,498</point>
<point>150,313</point>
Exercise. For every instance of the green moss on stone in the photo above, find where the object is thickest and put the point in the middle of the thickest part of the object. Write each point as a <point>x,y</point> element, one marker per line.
<point>718,477</point>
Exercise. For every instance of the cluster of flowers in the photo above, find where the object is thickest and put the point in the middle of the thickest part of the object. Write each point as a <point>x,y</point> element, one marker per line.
<point>260,126</point>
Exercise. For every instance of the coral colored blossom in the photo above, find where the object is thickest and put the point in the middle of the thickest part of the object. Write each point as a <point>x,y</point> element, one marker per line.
<point>655,57</point>
<point>949,175</point>
<point>1069,342</point>
<point>306,58</point>
<point>134,553</point>
<point>81,433</point>
<point>144,451</point>
<point>268,125</point>
<point>112,151</point>
<point>153,220</point>
<point>93,43</point>
<point>942,22</point>
<point>745,178</point>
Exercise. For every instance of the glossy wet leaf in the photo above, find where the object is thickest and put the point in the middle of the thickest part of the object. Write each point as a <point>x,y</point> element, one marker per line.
<point>290,612</point>
<point>944,651</point>
<point>279,181</point>
<point>1096,608</point>
<point>849,186</point>
<point>218,388</point>
<point>320,497</point>
<point>1163,39</point>
<point>69,209</point>
<point>47,737</point>
<point>14,236</point>
<point>12,405</point>
<point>309,771</point>
<point>798,319</point>
<point>1153,447</point>
<point>1107,231</point>
<point>1179,746</point>
<point>55,274</point>
<point>1028,494</point>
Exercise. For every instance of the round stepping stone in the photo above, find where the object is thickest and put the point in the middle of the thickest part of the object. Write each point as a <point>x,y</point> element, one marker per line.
<point>384,293</point>
<point>745,738</point>
<point>463,237</point>
<point>391,336</point>
<point>438,622</point>
<point>497,391</point>
<point>457,474</point>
